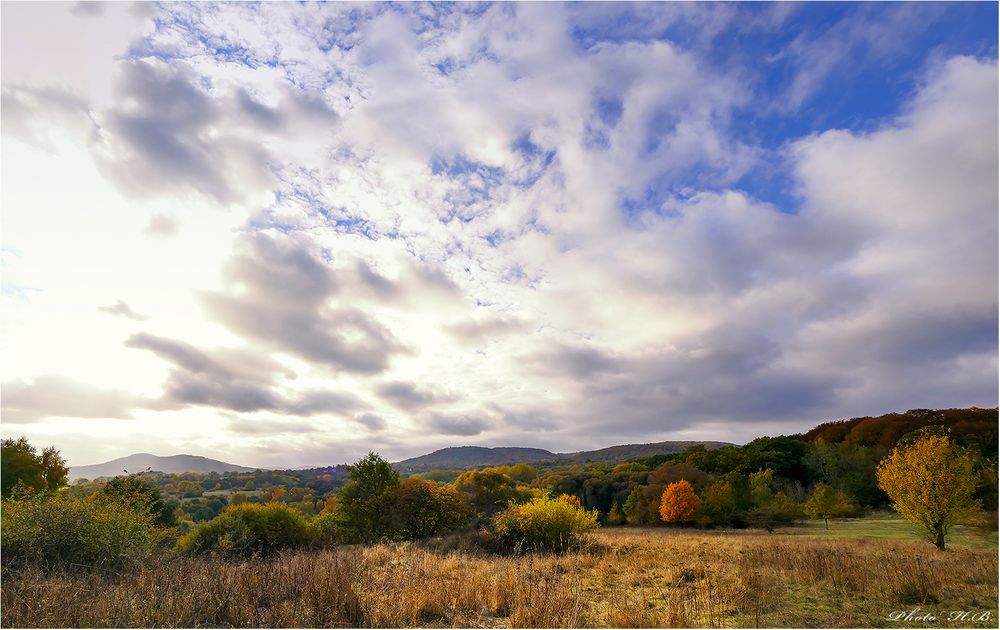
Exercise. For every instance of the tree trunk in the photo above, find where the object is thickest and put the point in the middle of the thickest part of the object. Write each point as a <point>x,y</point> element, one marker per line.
<point>826,522</point>
<point>939,543</point>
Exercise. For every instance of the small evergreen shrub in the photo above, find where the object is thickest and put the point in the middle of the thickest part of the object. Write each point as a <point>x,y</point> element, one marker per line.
<point>543,524</point>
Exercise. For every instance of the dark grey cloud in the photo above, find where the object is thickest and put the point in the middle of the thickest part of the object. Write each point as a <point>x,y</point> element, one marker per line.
<point>577,362</point>
<point>122,309</point>
<point>371,421</point>
<point>51,395</point>
<point>281,297</point>
<point>168,134</point>
<point>375,282</point>
<point>930,337</point>
<point>406,395</point>
<point>234,380</point>
<point>457,424</point>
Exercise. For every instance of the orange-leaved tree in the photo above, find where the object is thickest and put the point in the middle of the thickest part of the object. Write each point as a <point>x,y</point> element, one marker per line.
<point>931,482</point>
<point>679,503</point>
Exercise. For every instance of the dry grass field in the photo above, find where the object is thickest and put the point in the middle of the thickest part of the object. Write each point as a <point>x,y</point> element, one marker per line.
<point>624,578</point>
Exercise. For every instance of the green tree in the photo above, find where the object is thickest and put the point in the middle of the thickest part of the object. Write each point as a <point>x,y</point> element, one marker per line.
<point>761,486</point>
<point>490,491</point>
<point>826,503</point>
<point>364,500</point>
<point>135,493</point>
<point>931,482</point>
<point>21,464</point>
<point>189,489</point>
<point>718,503</point>
<point>615,516</point>
<point>419,508</point>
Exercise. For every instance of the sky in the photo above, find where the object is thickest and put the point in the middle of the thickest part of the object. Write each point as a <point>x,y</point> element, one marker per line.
<point>285,234</point>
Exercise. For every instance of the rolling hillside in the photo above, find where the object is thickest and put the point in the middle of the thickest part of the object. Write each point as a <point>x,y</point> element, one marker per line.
<point>460,457</point>
<point>141,461</point>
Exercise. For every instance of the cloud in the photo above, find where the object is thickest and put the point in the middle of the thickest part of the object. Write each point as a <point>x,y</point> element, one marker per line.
<point>370,421</point>
<point>122,309</point>
<point>166,136</point>
<point>52,395</point>
<point>406,395</point>
<point>453,424</point>
<point>234,380</point>
<point>550,211</point>
<point>280,298</point>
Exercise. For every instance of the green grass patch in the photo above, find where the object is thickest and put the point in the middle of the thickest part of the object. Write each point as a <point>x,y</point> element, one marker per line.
<point>888,527</point>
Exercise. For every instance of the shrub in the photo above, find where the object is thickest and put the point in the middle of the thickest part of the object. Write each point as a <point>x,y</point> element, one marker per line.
<point>326,529</point>
<point>249,529</point>
<point>543,524</point>
<point>59,532</point>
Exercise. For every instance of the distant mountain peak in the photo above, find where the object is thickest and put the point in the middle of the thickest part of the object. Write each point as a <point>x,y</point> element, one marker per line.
<point>138,462</point>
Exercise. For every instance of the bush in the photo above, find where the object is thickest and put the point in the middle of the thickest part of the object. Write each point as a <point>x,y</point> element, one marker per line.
<point>327,529</point>
<point>249,529</point>
<point>543,524</point>
<point>134,492</point>
<point>58,532</point>
<point>419,509</point>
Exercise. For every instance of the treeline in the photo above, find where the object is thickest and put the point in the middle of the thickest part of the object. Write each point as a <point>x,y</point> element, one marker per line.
<point>834,465</point>
<point>768,483</point>
<point>128,521</point>
<point>201,497</point>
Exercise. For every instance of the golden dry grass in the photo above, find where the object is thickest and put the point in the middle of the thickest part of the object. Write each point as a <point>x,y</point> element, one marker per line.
<point>625,578</point>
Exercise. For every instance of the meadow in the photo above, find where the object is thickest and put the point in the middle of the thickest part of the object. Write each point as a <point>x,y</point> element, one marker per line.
<point>857,575</point>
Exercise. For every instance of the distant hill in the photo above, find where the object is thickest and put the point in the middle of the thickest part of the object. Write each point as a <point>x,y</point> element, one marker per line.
<point>141,461</point>
<point>627,452</point>
<point>462,457</point>
<point>972,427</point>
<point>456,457</point>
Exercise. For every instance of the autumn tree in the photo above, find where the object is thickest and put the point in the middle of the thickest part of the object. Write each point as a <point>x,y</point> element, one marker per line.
<point>826,503</point>
<point>679,503</point>
<point>614,516</point>
<point>931,483</point>
<point>490,491</point>
<point>21,464</point>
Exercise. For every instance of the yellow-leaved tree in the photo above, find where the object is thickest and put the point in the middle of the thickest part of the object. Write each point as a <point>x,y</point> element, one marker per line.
<point>931,482</point>
<point>679,503</point>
